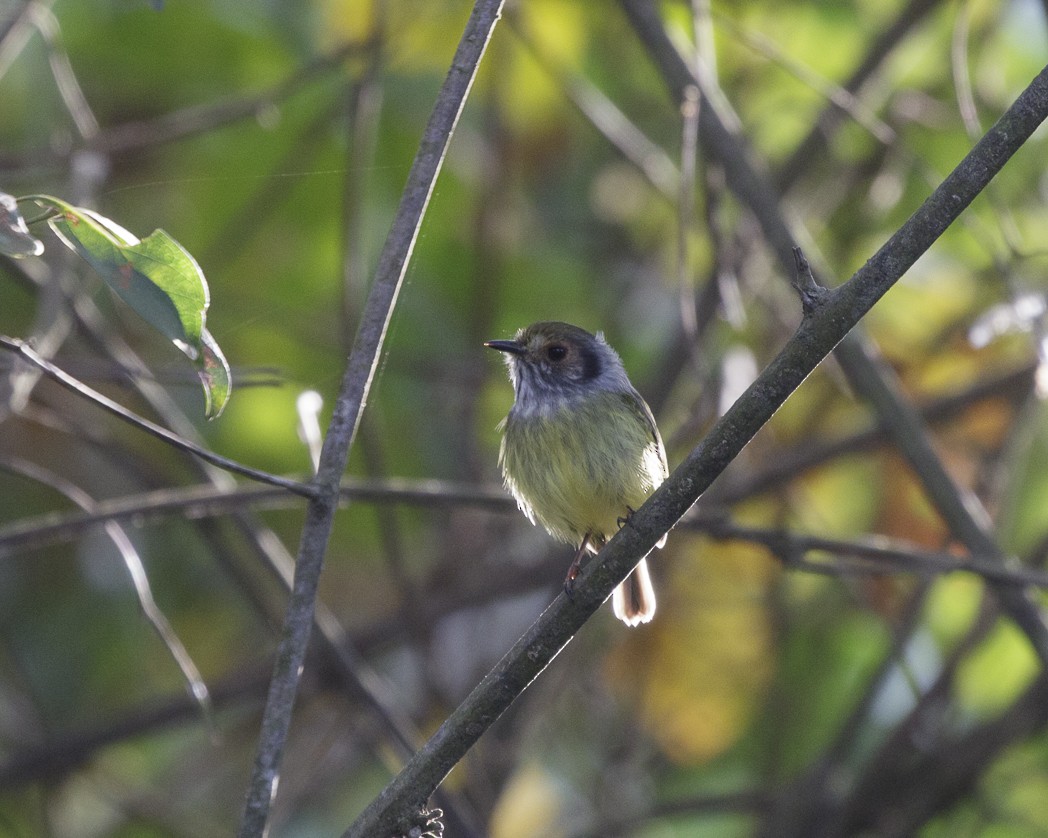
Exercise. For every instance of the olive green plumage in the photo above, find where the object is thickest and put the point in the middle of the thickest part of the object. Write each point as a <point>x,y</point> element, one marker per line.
<point>582,468</point>
<point>580,448</point>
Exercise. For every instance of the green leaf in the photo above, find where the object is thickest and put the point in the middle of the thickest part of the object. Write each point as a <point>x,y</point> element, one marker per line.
<point>214,375</point>
<point>155,276</point>
<point>15,239</point>
<point>159,279</point>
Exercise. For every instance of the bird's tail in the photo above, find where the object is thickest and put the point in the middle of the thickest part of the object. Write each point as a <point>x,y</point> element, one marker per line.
<point>634,600</point>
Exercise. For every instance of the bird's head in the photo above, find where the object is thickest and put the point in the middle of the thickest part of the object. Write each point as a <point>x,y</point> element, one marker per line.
<point>552,363</point>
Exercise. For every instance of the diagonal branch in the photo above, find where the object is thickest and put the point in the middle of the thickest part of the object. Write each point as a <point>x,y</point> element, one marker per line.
<point>356,381</point>
<point>819,332</point>
<point>961,510</point>
<point>57,374</point>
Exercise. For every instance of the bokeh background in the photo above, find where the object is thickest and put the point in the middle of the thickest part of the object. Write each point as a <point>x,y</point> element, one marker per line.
<point>787,687</point>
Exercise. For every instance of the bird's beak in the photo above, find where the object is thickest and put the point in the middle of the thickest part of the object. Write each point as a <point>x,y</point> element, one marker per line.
<point>510,346</point>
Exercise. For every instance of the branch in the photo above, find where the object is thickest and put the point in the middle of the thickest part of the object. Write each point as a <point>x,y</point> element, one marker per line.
<point>876,555</point>
<point>816,337</point>
<point>27,353</point>
<point>915,789</point>
<point>191,120</point>
<point>791,462</point>
<point>356,381</point>
<point>135,570</point>
<point>825,124</point>
<point>960,509</point>
<point>65,751</point>
<point>210,501</point>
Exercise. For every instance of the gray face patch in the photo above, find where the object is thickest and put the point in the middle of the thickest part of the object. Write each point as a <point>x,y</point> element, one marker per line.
<point>554,369</point>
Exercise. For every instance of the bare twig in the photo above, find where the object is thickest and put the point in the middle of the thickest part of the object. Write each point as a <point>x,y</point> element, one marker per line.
<point>223,495</point>
<point>603,114</point>
<point>53,759</point>
<point>689,146</point>
<point>65,79</point>
<point>192,120</point>
<point>873,555</point>
<point>24,351</point>
<point>15,31</point>
<point>1013,385</point>
<point>910,16</point>
<point>135,569</point>
<point>844,100</point>
<point>210,501</point>
<point>356,381</point>
<point>811,293</point>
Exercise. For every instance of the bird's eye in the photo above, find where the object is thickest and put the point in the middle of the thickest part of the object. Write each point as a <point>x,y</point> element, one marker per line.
<point>556,352</point>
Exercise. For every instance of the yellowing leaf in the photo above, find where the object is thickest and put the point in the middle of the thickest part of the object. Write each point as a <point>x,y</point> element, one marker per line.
<point>841,498</point>
<point>953,604</point>
<point>995,674</point>
<point>529,807</point>
<point>705,661</point>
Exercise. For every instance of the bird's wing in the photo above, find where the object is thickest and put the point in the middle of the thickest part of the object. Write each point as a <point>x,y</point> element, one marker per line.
<point>637,403</point>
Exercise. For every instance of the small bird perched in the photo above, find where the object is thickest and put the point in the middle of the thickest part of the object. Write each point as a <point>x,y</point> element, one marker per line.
<point>580,449</point>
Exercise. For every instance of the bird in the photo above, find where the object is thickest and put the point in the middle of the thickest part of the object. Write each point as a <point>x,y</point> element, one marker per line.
<point>580,448</point>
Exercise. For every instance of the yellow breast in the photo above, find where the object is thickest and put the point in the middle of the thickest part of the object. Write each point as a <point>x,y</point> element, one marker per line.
<point>581,469</point>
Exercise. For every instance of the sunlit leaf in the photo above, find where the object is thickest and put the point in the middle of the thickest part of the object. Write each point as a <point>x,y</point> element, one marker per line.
<point>15,239</point>
<point>996,673</point>
<point>530,804</point>
<point>154,276</point>
<point>158,278</point>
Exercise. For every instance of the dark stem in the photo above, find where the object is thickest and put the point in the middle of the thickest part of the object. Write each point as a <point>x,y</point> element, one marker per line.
<point>60,376</point>
<point>356,381</point>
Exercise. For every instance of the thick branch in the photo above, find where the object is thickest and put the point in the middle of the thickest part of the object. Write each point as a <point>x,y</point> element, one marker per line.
<point>817,336</point>
<point>961,511</point>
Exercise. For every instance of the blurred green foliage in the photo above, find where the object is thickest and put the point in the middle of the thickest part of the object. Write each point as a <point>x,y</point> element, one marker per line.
<point>273,141</point>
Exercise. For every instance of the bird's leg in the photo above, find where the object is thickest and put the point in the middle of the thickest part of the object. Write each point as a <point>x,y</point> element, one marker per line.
<point>576,566</point>
<point>625,519</point>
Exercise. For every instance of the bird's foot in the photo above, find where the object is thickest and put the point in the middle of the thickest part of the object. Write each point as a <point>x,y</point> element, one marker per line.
<point>625,519</point>
<point>575,569</point>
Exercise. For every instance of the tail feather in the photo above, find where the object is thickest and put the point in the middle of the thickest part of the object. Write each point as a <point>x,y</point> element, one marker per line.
<point>634,600</point>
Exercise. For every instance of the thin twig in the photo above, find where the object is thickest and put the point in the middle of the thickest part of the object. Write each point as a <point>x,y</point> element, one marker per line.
<point>606,117</point>
<point>192,120</point>
<point>967,519</point>
<point>54,758</point>
<point>24,351</point>
<point>839,96</point>
<point>15,31</point>
<point>875,555</point>
<point>135,569</point>
<point>915,788</point>
<point>1013,385</point>
<point>804,283</point>
<point>209,501</point>
<point>826,123</point>
<point>356,382</point>
<point>689,145</point>
<point>356,676</point>
<point>62,70</point>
